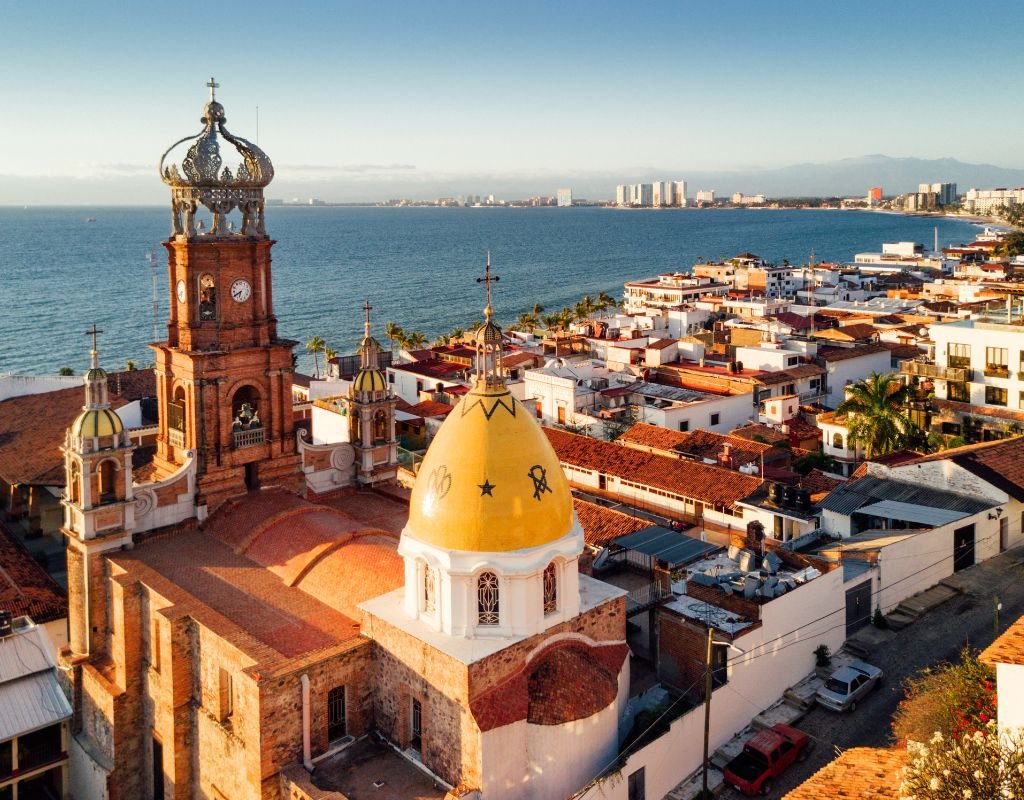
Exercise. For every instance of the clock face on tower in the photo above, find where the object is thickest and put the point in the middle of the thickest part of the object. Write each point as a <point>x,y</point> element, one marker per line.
<point>240,290</point>
<point>181,291</point>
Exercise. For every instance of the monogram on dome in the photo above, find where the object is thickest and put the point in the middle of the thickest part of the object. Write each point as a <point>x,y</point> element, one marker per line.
<point>202,179</point>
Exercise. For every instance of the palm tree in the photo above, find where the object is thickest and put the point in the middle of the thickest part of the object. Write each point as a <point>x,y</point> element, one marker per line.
<point>415,339</point>
<point>605,301</point>
<point>875,412</point>
<point>329,353</point>
<point>565,318</point>
<point>537,309</point>
<point>443,340</point>
<point>456,334</point>
<point>527,321</point>
<point>551,321</point>
<point>394,333</point>
<point>316,345</point>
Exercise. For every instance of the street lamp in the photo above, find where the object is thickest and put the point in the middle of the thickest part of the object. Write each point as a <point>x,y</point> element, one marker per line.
<point>707,701</point>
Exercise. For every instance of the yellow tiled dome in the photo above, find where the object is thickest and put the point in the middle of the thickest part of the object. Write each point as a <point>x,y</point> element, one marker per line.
<point>490,481</point>
<point>97,422</point>
<point>370,380</point>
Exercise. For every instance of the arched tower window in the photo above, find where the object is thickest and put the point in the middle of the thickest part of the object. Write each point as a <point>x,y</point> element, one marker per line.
<point>380,426</point>
<point>429,589</point>
<point>74,484</point>
<point>837,441</point>
<point>550,588</point>
<point>245,407</point>
<point>487,599</point>
<point>108,481</point>
<point>207,297</point>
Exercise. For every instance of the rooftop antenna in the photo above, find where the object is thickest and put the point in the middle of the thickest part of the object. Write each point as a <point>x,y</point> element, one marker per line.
<point>936,239</point>
<point>151,260</point>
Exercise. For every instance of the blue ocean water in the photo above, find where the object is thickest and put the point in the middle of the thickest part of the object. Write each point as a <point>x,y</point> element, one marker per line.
<point>59,273</point>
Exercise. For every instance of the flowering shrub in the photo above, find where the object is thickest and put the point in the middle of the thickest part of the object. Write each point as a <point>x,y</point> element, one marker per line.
<point>982,765</point>
<point>951,699</point>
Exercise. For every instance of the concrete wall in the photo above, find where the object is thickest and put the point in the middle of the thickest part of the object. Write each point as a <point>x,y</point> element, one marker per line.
<point>843,373</point>
<point>1010,685</point>
<point>733,411</point>
<point>913,565</point>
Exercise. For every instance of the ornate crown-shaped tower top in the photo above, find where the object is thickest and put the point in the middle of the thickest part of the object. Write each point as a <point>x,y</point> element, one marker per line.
<point>203,180</point>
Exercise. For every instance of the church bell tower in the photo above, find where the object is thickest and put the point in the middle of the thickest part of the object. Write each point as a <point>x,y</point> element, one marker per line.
<point>224,378</point>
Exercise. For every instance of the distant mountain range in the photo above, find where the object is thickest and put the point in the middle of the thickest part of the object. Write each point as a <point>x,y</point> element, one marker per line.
<point>848,176</point>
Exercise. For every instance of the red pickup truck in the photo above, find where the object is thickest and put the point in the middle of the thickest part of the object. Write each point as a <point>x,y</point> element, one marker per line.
<point>765,757</point>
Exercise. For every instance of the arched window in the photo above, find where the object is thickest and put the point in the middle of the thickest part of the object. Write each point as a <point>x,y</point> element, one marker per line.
<point>429,589</point>
<point>550,589</point>
<point>207,297</point>
<point>487,599</point>
<point>837,441</point>
<point>108,480</point>
<point>380,427</point>
<point>74,484</point>
<point>245,409</point>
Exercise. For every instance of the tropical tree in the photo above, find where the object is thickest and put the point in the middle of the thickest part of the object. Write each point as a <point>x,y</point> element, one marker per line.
<point>65,371</point>
<point>456,334</point>
<point>537,309</point>
<point>415,339</point>
<point>316,345</point>
<point>551,321</point>
<point>605,301</point>
<point>875,408</point>
<point>394,333</point>
<point>527,322</point>
<point>130,366</point>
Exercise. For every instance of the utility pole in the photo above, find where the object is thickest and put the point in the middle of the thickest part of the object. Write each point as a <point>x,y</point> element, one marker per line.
<point>996,608</point>
<point>707,710</point>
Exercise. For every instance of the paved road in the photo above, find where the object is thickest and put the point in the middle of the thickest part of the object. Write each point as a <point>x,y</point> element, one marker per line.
<point>938,636</point>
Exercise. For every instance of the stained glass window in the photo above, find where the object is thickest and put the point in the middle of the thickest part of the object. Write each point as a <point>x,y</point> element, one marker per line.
<point>550,589</point>
<point>487,598</point>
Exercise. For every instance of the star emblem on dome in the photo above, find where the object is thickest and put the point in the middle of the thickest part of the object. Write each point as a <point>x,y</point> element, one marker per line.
<point>486,488</point>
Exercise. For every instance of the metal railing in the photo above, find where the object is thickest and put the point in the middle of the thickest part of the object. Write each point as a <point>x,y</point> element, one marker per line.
<point>922,369</point>
<point>248,438</point>
<point>644,597</point>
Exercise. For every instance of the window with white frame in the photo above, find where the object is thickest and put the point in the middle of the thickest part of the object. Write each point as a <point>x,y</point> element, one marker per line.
<point>487,599</point>
<point>550,588</point>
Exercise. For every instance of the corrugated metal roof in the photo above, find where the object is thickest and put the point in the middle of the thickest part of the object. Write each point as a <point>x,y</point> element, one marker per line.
<point>850,497</point>
<point>25,652</point>
<point>671,546</point>
<point>31,703</point>
<point>912,512</point>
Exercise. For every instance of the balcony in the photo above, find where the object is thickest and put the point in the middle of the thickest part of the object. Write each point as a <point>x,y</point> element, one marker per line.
<point>921,369</point>
<point>176,437</point>
<point>249,438</point>
<point>997,371</point>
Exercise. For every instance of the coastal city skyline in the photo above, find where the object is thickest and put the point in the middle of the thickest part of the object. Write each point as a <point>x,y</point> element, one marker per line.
<point>501,100</point>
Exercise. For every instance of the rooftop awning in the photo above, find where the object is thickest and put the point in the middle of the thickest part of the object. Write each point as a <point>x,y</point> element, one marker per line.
<point>670,546</point>
<point>31,703</point>
<point>911,512</point>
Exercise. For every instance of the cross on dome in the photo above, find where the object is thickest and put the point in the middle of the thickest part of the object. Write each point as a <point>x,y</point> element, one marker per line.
<point>213,86</point>
<point>367,308</point>
<point>488,279</point>
<point>93,332</point>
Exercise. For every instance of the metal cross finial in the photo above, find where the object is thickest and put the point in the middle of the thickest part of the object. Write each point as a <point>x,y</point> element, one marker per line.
<point>213,86</point>
<point>488,279</point>
<point>93,332</point>
<point>367,308</point>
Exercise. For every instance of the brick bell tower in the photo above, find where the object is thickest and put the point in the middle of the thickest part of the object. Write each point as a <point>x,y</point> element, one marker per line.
<point>224,378</point>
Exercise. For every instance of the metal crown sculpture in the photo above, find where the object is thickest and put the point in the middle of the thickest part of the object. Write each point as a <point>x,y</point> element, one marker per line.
<point>218,189</point>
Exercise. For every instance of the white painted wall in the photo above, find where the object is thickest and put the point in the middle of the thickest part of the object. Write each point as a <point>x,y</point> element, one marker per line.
<point>774,661</point>
<point>851,370</point>
<point>329,426</point>
<point>733,411</point>
<point>1010,685</point>
<point>20,385</point>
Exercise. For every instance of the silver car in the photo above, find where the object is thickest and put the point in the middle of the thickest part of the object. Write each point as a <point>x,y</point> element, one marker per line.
<point>847,685</point>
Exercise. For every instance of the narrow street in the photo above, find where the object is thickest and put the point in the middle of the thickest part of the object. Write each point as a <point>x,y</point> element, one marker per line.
<point>965,620</point>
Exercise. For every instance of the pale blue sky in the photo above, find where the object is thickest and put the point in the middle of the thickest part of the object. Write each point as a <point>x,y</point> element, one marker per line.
<point>97,90</point>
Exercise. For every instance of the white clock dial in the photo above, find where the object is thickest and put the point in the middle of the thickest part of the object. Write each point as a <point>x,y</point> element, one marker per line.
<point>240,290</point>
<point>181,291</point>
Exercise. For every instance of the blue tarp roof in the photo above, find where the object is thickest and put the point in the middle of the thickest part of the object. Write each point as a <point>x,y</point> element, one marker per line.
<point>671,546</point>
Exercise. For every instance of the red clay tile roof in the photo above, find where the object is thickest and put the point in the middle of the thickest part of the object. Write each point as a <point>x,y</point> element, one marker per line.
<point>601,525</point>
<point>796,322</point>
<point>25,587</point>
<point>818,483</point>
<point>431,368</point>
<point>429,408</point>
<point>661,344</point>
<point>859,331</point>
<point>1008,648</point>
<point>568,684</point>
<point>756,429</point>
<point>711,485</point>
<point>861,773</point>
<point>790,374</point>
<point>844,353</point>
<point>32,427</point>
<point>1000,463</point>
<point>517,359</point>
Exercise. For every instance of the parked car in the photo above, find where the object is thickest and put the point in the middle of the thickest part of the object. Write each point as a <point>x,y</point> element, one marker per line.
<point>765,757</point>
<point>847,685</point>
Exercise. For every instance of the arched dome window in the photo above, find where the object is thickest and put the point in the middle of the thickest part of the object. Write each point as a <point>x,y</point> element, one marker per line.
<point>837,441</point>
<point>550,588</point>
<point>108,481</point>
<point>487,599</point>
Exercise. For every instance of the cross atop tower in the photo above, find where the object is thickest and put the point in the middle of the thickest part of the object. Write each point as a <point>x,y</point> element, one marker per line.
<point>213,86</point>
<point>93,332</point>
<point>367,308</point>
<point>488,279</point>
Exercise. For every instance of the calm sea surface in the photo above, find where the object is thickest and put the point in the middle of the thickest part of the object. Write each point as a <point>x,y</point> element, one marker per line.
<point>60,273</point>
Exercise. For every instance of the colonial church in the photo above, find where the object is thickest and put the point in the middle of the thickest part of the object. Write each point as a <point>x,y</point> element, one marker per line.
<point>253,616</point>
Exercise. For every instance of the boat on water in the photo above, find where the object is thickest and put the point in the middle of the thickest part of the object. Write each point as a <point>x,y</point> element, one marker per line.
<point>90,219</point>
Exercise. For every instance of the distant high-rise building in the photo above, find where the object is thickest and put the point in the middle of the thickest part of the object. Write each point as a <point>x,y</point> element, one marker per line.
<point>661,194</point>
<point>643,195</point>
<point>936,194</point>
<point>623,195</point>
<point>564,198</point>
<point>706,196</point>
<point>680,193</point>
<point>875,194</point>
